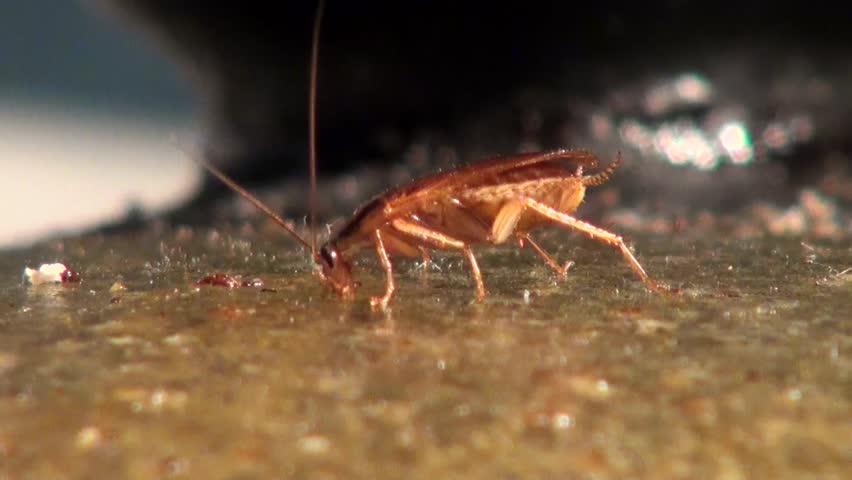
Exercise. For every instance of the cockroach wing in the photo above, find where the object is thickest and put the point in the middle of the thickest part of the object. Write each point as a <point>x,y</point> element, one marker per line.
<point>493,171</point>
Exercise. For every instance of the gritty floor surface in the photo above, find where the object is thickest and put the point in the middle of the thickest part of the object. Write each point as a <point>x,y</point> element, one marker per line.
<point>137,373</point>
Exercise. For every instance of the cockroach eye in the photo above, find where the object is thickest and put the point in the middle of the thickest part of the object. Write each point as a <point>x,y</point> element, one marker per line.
<point>329,256</point>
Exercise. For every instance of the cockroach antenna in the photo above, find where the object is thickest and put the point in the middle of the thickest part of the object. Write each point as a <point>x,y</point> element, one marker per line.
<point>243,193</point>
<point>312,154</point>
<point>312,124</point>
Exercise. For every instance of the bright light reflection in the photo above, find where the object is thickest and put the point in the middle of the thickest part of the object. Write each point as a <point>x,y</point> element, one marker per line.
<point>688,88</point>
<point>699,138</point>
<point>637,135</point>
<point>693,88</point>
<point>683,144</point>
<point>734,139</point>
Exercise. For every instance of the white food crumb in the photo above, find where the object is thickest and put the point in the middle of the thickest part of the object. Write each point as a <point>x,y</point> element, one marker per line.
<point>46,273</point>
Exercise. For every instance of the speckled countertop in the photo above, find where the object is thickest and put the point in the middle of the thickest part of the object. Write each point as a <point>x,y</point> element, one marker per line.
<point>137,373</point>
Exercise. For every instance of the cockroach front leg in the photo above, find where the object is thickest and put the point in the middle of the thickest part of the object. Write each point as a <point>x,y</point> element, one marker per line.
<point>597,234</point>
<point>386,265</point>
<point>561,270</point>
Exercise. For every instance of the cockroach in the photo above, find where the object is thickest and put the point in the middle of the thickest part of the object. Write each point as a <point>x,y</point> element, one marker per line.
<point>490,201</point>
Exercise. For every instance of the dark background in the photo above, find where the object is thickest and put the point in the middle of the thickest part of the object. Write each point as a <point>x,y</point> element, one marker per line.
<point>410,87</point>
<point>389,69</point>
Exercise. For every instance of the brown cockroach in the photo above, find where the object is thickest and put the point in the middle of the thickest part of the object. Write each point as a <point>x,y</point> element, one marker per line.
<point>491,201</point>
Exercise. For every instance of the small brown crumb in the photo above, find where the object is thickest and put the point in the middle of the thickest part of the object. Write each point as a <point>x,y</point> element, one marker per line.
<point>69,276</point>
<point>253,283</point>
<point>220,279</point>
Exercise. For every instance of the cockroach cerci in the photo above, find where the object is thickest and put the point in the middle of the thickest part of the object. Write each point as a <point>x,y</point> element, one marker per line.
<point>491,201</point>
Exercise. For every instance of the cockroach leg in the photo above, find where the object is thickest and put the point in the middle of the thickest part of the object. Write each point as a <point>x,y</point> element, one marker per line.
<point>424,267</point>
<point>477,276</point>
<point>425,254</point>
<point>439,240</point>
<point>425,234</point>
<point>595,233</point>
<point>386,265</point>
<point>561,270</point>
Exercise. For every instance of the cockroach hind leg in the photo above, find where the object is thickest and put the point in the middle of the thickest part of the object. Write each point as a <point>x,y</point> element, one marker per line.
<point>597,234</point>
<point>560,270</point>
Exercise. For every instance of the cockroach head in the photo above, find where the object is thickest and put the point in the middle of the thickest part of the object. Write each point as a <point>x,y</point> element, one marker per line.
<point>335,271</point>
